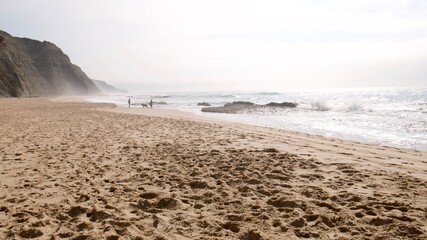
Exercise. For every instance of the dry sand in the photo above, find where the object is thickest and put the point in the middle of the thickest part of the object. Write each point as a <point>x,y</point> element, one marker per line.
<point>91,171</point>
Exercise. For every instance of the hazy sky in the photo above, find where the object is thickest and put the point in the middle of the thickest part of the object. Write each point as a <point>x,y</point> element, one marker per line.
<point>196,45</point>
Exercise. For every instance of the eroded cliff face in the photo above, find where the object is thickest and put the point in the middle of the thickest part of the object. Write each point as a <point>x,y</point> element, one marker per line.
<point>33,68</point>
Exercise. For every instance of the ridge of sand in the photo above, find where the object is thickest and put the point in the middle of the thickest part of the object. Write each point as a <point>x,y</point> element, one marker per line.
<point>78,171</point>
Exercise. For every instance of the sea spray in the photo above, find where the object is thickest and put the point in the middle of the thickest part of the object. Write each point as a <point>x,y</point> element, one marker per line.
<point>320,106</point>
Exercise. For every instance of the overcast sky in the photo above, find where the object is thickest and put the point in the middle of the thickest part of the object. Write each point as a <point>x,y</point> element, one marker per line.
<point>196,45</point>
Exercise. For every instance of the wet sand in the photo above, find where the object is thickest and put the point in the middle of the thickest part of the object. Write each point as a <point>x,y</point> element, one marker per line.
<point>74,170</point>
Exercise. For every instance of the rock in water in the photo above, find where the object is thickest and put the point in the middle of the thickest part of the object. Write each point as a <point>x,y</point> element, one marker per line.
<point>203,104</point>
<point>283,104</point>
<point>241,106</point>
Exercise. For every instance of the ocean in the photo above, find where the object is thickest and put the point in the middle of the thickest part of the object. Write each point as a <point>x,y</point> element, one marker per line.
<point>386,116</point>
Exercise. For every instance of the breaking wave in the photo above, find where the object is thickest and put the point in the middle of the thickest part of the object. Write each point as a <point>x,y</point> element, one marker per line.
<point>320,106</point>
<point>354,107</point>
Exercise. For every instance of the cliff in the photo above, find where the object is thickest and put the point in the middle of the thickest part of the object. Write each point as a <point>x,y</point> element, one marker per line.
<point>33,68</point>
<point>107,88</point>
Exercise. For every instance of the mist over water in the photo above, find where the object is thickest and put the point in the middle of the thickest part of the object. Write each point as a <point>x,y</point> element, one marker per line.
<point>394,117</point>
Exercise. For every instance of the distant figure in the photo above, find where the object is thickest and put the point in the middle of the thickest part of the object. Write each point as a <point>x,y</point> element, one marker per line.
<point>151,103</point>
<point>144,105</point>
<point>129,102</point>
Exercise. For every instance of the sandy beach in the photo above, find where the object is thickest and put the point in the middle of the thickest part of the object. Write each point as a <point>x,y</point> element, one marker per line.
<point>75,170</point>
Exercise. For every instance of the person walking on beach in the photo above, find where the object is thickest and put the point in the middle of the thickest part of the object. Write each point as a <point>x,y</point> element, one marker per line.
<point>129,102</point>
<point>151,103</point>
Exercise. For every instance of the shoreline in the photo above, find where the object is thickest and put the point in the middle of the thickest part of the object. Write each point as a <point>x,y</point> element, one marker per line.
<point>191,114</point>
<point>88,170</point>
<point>376,117</point>
<point>182,114</point>
<point>332,143</point>
<point>369,150</point>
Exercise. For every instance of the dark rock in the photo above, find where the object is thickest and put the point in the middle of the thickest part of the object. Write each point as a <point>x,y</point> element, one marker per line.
<point>203,104</point>
<point>240,103</point>
<point>283,104</point>
<point>241,106</point>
